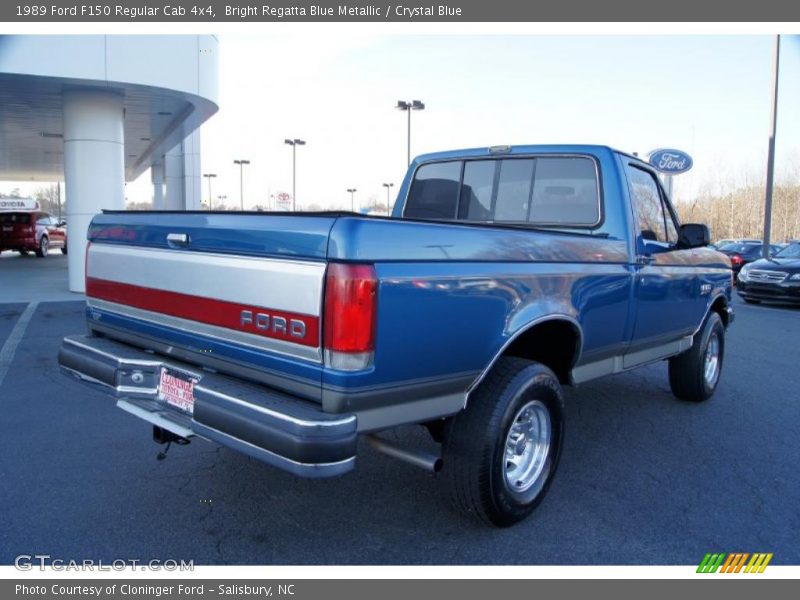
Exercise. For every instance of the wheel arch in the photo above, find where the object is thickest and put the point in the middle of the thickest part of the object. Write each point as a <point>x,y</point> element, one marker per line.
<point>525,343</point>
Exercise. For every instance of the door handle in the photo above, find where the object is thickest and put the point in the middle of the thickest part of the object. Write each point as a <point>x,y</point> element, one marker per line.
<point>178,240</point>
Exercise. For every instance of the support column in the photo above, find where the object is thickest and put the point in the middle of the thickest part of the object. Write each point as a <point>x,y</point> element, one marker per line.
<point>182,174</point>
<point>157,177</point>
<point>94,167</point>
<point>191,171</point>
<point>173,175</point>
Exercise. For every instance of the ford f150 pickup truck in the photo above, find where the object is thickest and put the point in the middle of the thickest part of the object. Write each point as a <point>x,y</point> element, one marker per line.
<point>502,274</point>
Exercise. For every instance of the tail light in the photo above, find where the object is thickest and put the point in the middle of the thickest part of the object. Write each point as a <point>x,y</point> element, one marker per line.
<point>349,318</point>
<point>86,269</point>
<point>736,259</point>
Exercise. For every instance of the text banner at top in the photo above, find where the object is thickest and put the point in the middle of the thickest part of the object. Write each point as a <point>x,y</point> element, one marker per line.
<point>463,11</point>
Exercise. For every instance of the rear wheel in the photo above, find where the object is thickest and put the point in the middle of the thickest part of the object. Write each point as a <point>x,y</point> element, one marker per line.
<point>44,246</point>
<point>501,453</point>
<point>694,375</point>
<point>64,248</point>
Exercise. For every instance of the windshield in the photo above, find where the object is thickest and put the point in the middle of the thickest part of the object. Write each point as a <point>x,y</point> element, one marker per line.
<point>791,251</point>
<point>22,218</point>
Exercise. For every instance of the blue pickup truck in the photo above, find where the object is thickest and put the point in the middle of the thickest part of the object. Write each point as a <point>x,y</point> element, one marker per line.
<point>503,274</point>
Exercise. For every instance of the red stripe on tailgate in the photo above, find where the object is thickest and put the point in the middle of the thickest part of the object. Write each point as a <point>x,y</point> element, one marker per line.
<point>260,321</point>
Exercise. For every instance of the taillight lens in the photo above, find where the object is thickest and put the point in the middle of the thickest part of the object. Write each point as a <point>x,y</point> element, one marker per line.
<point>86,268</point>
<point>349,319</point>
<point>736,259</point>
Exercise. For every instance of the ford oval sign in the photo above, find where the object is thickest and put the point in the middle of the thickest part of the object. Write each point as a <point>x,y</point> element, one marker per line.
<point>670,161</point>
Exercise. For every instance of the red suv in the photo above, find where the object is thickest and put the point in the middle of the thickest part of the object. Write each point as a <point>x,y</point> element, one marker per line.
<point>32,231</point>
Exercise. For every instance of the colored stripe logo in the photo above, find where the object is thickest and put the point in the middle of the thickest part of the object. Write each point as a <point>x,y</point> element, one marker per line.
<point>282,325</point>
<point>735,562</point>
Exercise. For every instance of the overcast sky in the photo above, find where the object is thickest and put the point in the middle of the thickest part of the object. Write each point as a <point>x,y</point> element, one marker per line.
<point>708,95</point>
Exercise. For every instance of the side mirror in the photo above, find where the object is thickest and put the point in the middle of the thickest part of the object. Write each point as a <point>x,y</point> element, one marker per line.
<point>693,235</point>
<point>61,223</point>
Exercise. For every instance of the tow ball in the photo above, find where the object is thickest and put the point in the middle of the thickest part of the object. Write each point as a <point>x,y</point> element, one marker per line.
<point>164,436</point>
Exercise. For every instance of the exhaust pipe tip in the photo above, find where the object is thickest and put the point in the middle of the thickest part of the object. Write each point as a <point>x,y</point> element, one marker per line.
<point>424,460</point>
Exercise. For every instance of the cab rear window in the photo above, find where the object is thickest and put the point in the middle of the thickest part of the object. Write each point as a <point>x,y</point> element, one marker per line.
<point>20,218</point>
<point>547,190</point>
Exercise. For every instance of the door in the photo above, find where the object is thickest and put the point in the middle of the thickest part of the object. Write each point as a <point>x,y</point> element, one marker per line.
<point>668,291</point>
<point>55,233</point>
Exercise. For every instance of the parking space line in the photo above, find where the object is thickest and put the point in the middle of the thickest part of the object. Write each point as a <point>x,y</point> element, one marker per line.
<point>10,347</point>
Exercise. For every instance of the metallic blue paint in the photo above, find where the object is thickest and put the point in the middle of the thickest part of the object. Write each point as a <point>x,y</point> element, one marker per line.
<point>451,295</point>
<point>257,234</point>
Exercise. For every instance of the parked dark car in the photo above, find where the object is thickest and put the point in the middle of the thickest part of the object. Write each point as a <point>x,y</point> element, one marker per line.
<point>719,244</point>
<point>32,231</point>
<point>776,278</point>
<point>747,252</point>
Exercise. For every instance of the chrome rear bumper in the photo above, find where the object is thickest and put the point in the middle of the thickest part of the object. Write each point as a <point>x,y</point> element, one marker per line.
<point>282,430</point>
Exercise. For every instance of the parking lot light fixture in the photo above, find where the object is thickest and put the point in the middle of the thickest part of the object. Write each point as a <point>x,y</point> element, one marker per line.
<point>352,202</point>
<point>241,162</point>
<point>209,176</point>
<point>388,186</point>
<point>408,107</point>
<point>294,143</point>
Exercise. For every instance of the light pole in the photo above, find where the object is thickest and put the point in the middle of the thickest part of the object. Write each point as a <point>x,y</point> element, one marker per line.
<point>408,107</point>
<point>294,144</point>
<point>352,203</point>
<point>241,162</point>
<point>776,63</point>
<point>387,186</point>
<point>209,176</point>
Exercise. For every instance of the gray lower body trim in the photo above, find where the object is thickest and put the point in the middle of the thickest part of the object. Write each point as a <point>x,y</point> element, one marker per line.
<point>343,400</point>
<point>623,362</point>
<point>416,411</point>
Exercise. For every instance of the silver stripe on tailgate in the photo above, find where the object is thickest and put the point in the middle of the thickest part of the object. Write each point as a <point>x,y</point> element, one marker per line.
<point>283,285</point>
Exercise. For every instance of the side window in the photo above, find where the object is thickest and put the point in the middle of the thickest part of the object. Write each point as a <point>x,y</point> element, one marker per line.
<point>670,218</point>
<point>565,192</point>
<point>647,205</point>
<point>434,191</point>
<point>672,228</point>
<point>43,219</point>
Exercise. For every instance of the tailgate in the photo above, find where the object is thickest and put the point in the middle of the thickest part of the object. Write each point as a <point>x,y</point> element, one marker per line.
<point>239,293</point>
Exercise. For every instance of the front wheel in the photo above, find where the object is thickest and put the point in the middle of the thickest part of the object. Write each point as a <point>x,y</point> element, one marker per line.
<point>501,453</point>
<point>694,374</point>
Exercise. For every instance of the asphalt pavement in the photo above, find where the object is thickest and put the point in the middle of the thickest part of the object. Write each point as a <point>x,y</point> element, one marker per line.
<point>644,478</point>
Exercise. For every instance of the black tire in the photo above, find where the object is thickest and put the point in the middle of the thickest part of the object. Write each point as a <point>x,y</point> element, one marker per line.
<point>64,248</point>
<point>687,371</point>
<point>474,449</point>
<point>44,245</point>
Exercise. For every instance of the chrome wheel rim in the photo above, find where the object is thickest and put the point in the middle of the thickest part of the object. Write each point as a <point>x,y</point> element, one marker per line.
<point>44,245</point>
<point>527,446</point>
<point>711,361</point>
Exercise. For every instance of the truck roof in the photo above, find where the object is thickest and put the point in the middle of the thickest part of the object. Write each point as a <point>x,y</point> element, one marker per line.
<point>505,150</point>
